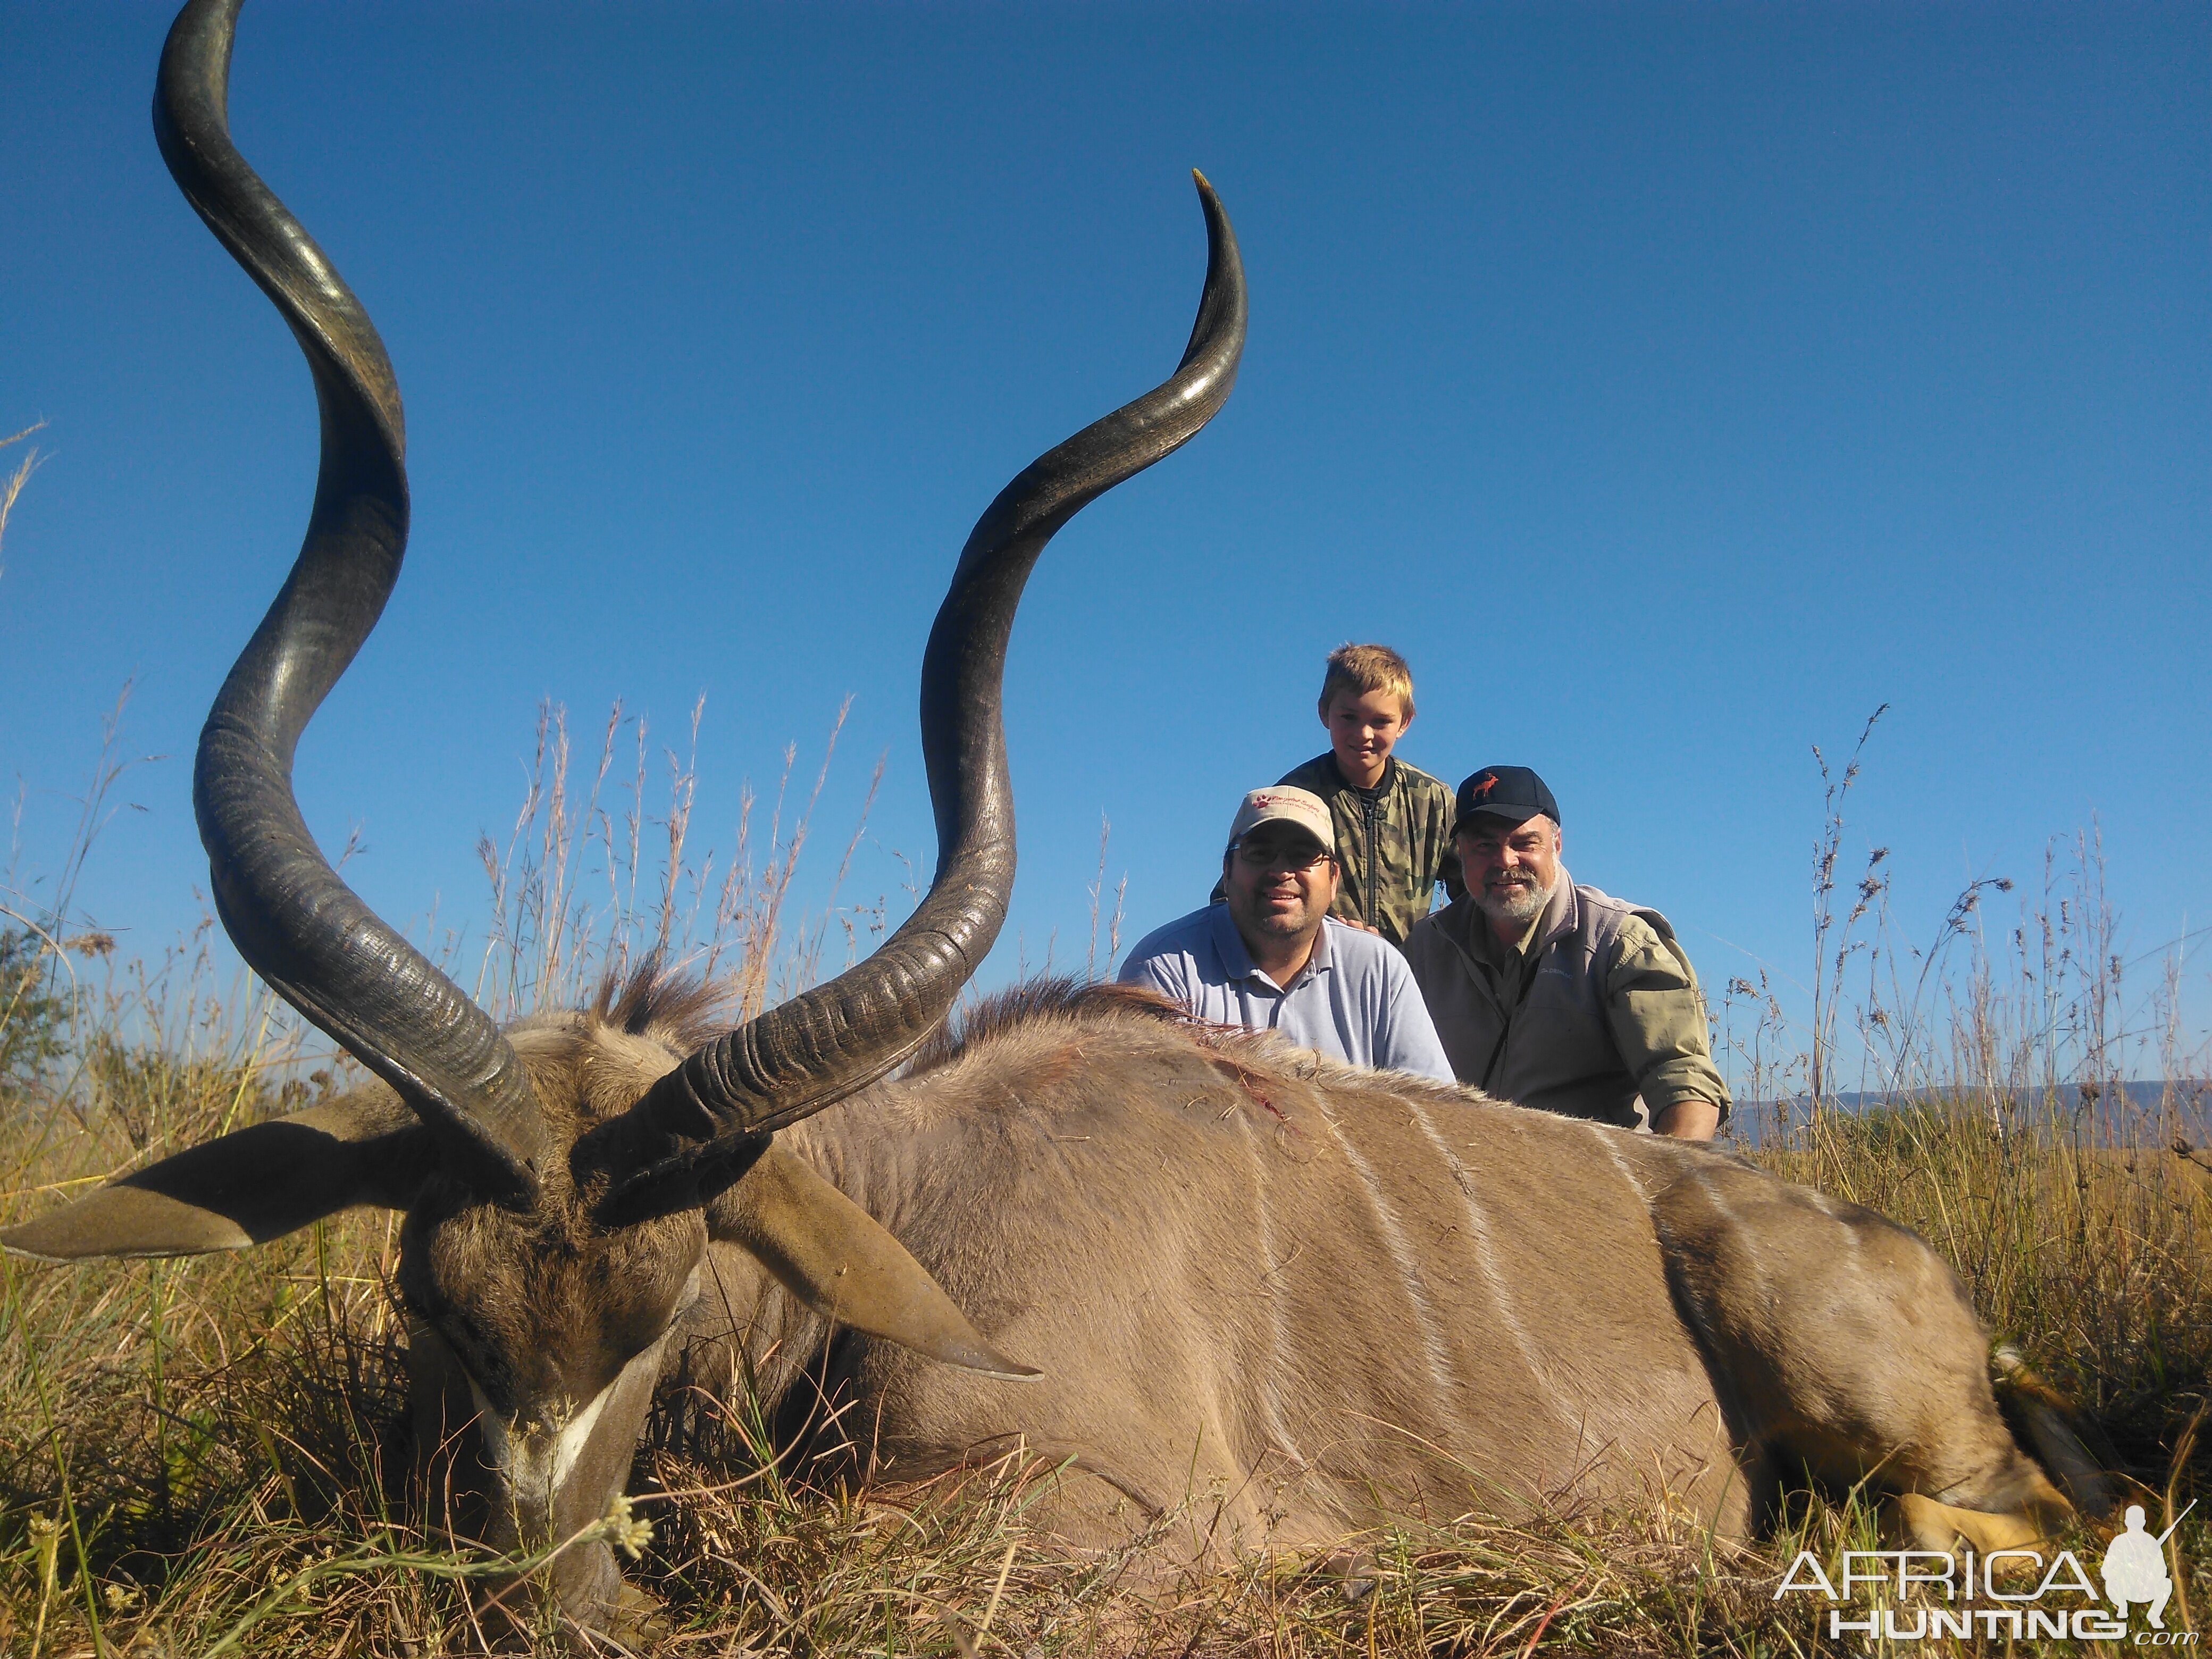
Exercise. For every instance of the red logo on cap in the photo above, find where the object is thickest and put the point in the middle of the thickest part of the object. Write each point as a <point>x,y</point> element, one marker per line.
<point>1484,785</point>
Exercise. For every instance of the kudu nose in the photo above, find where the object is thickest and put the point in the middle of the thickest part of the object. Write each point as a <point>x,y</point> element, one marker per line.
<point>541,1519</point>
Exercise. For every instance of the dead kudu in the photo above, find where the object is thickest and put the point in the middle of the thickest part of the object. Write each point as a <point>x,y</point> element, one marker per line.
<point>1299,1295</point>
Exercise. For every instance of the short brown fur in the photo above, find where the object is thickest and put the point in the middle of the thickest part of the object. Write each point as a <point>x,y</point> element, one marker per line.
<point>1305,1294</point>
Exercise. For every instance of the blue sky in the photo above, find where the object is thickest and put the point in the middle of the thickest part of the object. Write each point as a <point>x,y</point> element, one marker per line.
<point>1672,385</point>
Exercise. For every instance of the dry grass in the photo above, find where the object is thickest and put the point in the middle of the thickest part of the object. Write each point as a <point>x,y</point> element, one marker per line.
<point>207,1456</point>
<point>12,486</point>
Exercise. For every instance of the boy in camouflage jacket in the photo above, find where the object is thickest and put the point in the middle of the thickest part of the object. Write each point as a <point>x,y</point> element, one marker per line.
<point>1392,821</point>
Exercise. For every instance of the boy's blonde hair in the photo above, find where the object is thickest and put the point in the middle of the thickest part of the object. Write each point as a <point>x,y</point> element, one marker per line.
<point>1360,669</point>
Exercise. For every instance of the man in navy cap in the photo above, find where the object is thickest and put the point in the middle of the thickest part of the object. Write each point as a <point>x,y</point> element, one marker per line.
<point>1557,996</point>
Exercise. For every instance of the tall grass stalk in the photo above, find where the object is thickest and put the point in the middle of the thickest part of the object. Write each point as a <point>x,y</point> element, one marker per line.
<point>12,486</point>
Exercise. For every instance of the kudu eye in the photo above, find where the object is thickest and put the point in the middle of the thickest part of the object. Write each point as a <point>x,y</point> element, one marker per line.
<point>480,1356</point>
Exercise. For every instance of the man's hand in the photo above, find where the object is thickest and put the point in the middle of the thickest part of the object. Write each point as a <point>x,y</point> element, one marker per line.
<point>1687,1120</point>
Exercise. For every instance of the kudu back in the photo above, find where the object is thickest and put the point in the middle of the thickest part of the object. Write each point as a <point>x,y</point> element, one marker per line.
<point>1196,1272</point>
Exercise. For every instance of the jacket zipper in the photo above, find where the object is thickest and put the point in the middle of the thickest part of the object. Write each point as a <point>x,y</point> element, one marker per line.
<point>1367,807</point>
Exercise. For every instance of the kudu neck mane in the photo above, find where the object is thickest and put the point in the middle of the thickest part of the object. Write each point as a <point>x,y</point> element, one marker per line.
<point>590,1062</point>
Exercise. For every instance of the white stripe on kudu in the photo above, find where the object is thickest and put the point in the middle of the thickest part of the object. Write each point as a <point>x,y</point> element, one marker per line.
<point>1485,1261</point>
<point>1278,1333</point>
<point>1409,1272</point>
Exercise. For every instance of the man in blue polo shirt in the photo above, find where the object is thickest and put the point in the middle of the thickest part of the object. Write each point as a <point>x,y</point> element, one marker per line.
<point>1269,955</point>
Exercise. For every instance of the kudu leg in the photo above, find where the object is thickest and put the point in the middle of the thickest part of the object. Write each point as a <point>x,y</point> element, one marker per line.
<point>1839,1341</point>
<point>1922,1523</point>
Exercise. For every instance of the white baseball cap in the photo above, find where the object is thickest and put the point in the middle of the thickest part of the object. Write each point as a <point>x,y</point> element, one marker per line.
<point>1285,804</point>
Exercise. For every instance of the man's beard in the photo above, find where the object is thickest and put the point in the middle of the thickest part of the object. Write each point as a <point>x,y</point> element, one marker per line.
<point>1281,923</point>
<point>1518,903</point>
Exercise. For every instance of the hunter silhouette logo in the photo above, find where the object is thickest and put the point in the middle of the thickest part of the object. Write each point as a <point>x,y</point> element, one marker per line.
<point>2134,1568</point>
<point>1932,1595</point>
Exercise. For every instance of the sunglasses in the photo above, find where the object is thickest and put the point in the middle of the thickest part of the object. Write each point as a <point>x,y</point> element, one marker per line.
<point>1281,855</point>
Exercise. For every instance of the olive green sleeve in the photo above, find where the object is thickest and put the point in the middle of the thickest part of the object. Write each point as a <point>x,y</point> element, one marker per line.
<point>1658,1018</point>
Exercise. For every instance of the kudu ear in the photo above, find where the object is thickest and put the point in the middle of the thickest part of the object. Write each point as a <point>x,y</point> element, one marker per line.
<point>841,1261</point>
<point>244,1188</point>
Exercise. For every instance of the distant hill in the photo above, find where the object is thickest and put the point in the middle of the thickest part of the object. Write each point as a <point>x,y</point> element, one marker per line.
<point>2144,1109</point>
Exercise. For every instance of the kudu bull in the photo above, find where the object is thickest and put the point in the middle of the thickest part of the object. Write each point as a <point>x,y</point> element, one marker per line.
<point>1303,1294</point>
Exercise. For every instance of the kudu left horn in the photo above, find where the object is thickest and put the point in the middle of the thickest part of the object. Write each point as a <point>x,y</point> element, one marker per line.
<point>473,1121</point>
